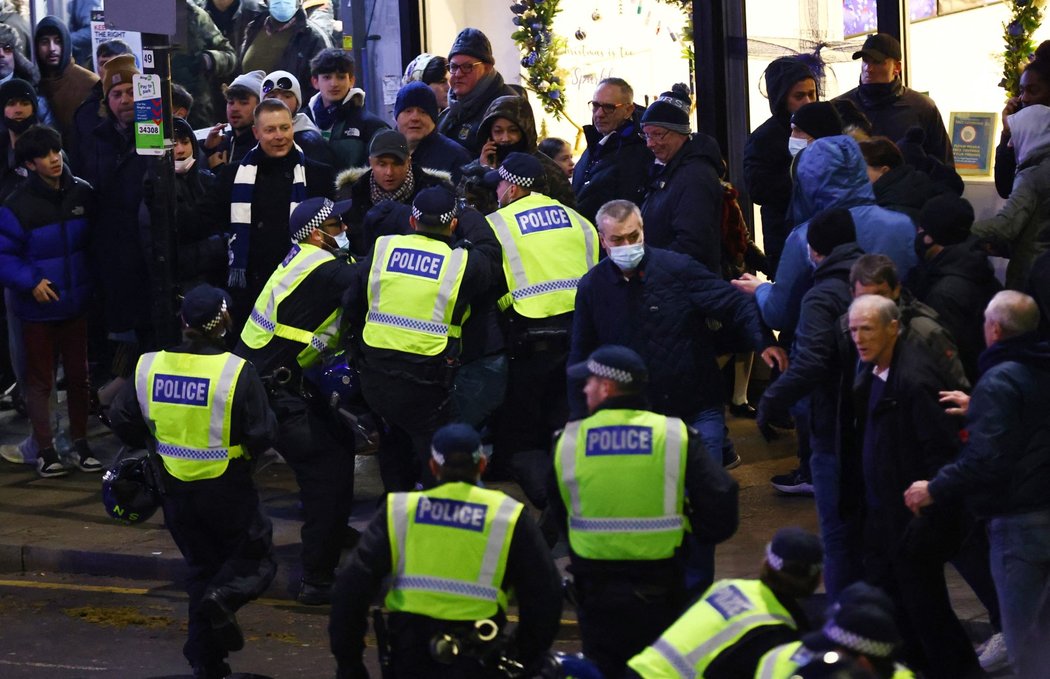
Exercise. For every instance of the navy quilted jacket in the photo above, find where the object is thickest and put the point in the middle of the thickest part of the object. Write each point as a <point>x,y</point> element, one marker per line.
<point>662,313</point>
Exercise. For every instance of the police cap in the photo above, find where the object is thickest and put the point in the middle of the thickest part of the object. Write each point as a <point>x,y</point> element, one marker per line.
<point>434,206</point>
<point>863,629</point>
<point>456,444</point>
<point>203,306</point>
<point>612,362</point>
<point>520,169</point>
<point>311,214</point>
<point>795,551</point>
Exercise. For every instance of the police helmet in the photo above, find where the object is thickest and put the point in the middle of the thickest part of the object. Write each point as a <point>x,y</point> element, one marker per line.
<point>129,491</point>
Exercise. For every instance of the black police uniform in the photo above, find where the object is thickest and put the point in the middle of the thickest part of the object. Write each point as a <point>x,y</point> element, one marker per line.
<point>317,447</point>
<point>218,524</point>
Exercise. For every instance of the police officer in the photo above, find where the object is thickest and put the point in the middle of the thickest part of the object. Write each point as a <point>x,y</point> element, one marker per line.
<point>294,324</point>
<point>624,474</point>
<point>455,552</point>
<point>406,304</point>
<point>861,630</point>
<point>735,622</point>
<point>547,247</point>
<point>203,412</point>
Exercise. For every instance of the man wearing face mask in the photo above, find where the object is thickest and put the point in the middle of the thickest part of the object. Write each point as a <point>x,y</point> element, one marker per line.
<point>295,321</point>
<point>283,39</point>
<point>790,84</point>
<point>546,247</point>
<point>18,100</point>
<point>406,306</point>
<point>892,107</point>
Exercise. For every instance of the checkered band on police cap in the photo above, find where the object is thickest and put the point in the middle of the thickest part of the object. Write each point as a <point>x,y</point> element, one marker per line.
<point>507,175</point>
<point>609,372</point>
<point>214,323</point>
<point>203,307</point>
<point>324,211</point>
<point>612,362</point>
<point>434,206</point>
<point>858,642</point>
<point>453,439</point>
<point>795,550</point>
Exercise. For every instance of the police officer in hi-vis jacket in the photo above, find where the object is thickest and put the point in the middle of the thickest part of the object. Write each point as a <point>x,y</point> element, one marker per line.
<point>629,482</point>
<point>203,412</point>
<point>455,554</point>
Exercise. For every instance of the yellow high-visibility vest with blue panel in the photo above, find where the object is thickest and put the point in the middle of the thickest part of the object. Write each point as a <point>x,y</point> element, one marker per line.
<point>547,248</point>
<point>413,286</point>
<point>784,661</point>
<point>187,403</point>
<point>262,324</point>
<point>726,612</point>
<point>621,474</point>
<point>448,550</point>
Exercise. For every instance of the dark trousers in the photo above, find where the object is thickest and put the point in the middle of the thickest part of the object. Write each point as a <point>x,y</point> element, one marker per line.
<point>227,541</point>
<point>410,637</point>
<point>535,407</point>
<point>43,342</point>
<point>620,616</point>
<point>321,454</point>
<point>907,560</point>
<point>412,409</point>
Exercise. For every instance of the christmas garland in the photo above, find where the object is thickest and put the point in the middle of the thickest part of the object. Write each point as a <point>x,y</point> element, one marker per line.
<point>687,30</point>
<point>1025,17</point>
<point>540,49</point>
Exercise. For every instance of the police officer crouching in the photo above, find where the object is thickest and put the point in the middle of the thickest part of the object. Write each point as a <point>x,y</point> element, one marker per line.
<point>627,479</point>
<point>725,633</point>
<point>295,324</point>
<point>406,304</point>
<point>203,412</point>
<point>455,552</point>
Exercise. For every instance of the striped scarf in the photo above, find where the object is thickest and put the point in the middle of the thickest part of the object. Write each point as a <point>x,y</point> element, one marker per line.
<point>241,210</point>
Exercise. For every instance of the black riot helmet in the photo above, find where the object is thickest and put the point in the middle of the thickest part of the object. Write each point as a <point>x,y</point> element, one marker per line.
<point>129,490</point>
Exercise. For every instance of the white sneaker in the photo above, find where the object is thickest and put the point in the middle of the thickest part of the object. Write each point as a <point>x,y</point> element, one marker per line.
<point>993,656</point>
<point>21,453</point>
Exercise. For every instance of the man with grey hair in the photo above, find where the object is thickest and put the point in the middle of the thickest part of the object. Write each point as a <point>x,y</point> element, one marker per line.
<point>1003,472</point>
<point>616,162</point>
<point>904,432</point>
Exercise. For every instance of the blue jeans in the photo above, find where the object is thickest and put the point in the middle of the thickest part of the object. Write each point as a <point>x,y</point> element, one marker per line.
<point>1020,554</point>
<point>841,535</point>
<point>700,557</point>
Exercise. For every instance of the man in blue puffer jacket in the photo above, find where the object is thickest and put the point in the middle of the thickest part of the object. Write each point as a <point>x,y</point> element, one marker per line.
<point>831,173</point>
<point>43,260</point>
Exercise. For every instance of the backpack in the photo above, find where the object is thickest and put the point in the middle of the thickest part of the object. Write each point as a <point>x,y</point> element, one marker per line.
<point>739,252</point>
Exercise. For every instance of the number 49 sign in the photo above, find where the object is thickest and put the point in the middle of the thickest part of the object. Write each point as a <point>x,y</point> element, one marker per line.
<point>149,115</point>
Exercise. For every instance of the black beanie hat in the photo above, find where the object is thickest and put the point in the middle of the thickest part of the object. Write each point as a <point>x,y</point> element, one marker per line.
<point>818,119</point>
<point>16,88</point>
<point>474,43</point>
<point>830,228</point>
<point>671,110</point>
<point>947,219</point>
<point>417,94</point>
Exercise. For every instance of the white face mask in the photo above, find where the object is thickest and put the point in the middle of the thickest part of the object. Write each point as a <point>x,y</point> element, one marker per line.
<point>627,257</point>
<point>183,166</point>
<point>342,241</point>
<point>795,145</point>
<point>500,197</point>
<point>282,10</point>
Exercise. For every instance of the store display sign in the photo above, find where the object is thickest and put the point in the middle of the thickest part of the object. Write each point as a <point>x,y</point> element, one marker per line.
<point>973,137</point>
<point>100,34</point>
<point>149,115</point>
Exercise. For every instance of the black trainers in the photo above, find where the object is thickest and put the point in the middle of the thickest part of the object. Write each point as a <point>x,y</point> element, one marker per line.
<point>223,622</point>
<point>219,671</point>
<point>83,458</point>
<point>48,465</point>
<point>314,594</point>
<point>793,483</point>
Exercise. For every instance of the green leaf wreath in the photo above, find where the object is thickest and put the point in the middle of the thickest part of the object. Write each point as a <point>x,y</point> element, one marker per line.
<point>540,49</point>
<point>1025,18</point>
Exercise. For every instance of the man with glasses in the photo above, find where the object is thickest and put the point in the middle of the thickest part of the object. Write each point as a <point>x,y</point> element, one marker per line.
<point>616,163</point>
<point>474,83</point>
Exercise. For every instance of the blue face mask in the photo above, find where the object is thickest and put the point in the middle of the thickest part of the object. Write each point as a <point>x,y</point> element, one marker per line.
<point>342,241</point>
<point>627,257</point>
<point>283,10</point>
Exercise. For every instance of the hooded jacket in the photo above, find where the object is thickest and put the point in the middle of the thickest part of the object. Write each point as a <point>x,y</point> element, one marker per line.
<point>767,161</point>
<point>893,108</point>
<point>44,233</point>
<point>187,64</point>
<point>831,172</point>
<point>27,70</point>
<point>905,189</point>
<point>1014,230</point>
<point>351,130</point>
<point>683,203</point>
<point>612,167</point>
<point>460,121</point>
<point>68,85</point>
<point>1004,467</point>
<point>306,41</point>
<point>957,283</point>
<point>553,184</point>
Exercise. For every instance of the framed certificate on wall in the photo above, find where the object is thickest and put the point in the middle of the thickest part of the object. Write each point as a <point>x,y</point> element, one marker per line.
<point>973,138</point>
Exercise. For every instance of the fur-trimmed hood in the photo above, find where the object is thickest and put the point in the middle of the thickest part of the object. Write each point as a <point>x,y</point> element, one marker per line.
<point>348,177</point>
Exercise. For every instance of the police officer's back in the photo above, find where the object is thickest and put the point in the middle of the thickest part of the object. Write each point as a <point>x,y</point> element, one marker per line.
<point>295,324</point>
<point>626,480</point>
<point>455,552</point>
<point>725,633</point>
<point>406,306</point>
<point>203,412</point>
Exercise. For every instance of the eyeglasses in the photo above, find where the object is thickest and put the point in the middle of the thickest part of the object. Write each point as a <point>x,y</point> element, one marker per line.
<point>465,69</point>
<point>606,108</point>
<point>283,83</point>
<point>7,48</point>
<point>654,136</point>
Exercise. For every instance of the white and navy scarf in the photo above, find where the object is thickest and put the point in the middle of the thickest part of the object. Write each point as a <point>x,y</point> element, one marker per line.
<point>241,210</point>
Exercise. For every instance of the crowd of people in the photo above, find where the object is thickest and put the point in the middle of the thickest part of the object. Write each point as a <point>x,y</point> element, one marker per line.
<point>580,328</point>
